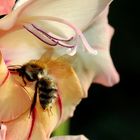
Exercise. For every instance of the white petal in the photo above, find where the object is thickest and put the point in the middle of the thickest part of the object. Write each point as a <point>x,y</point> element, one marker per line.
<point>76,12</point>
<point>99,36</point>
<point>80,137</point>
<point>97,68</point>
<point>19,3</point>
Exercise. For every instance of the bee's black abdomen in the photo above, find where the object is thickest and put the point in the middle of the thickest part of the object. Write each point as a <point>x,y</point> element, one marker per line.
<point>47,93</point>
<point>47,98</point>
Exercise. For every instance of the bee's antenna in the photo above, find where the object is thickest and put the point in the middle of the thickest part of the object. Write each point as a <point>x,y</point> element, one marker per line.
<point>14,68</point>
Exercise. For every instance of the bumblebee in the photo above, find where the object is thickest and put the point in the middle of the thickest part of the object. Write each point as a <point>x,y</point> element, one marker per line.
<point>45,85</point>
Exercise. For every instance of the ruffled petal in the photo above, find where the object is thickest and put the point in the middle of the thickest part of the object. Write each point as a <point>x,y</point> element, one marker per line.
<point>14,100</point>
<point>99,36</point>
<point>80,137</point>
<point>97,68</point>
<point>6,6</point>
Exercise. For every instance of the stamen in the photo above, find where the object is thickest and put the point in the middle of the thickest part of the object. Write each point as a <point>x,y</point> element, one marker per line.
<point>66,45</point>
<point>40,34</point>
<point>56,39</point>
<point>51,35</point>
<point>72,51</point>
<point>40,37</point>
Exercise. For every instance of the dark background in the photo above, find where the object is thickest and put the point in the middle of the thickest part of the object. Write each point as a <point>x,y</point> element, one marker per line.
<point>114,113</point>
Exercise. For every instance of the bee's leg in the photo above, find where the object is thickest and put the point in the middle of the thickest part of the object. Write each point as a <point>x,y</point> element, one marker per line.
<point>34,99</point>
<point>24,81</point>
<point>49,110</point>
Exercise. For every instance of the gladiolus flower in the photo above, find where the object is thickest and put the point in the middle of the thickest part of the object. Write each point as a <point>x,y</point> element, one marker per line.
<point>52,32</point>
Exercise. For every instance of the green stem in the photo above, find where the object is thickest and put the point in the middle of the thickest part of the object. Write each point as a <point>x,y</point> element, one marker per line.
<point>63,129</point>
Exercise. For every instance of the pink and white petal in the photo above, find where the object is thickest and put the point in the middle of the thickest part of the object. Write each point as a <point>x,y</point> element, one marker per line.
<point>14,101</point>
<point>6,6</point>
<point>99,68</point>
<point>80,14</point>
<point>19,128</point>
<point>20,47</point>
<point>38,126</point>
<point>106,73</point>
<point>99,33</point>
<point>78,137</point>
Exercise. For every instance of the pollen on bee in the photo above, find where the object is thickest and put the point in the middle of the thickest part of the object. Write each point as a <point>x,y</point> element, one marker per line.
<point>49,109</point>
<point>40,76</point>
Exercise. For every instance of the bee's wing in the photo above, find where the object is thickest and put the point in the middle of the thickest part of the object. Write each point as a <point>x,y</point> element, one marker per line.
<point>60,67</point>
<point>47,55</point>
<point>50,55</point>
<point>67,81</point>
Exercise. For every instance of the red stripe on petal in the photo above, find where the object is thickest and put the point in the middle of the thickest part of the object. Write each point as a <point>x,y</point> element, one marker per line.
<point>33,123</point>
<point>6,77</point>
<point>60,104</point>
